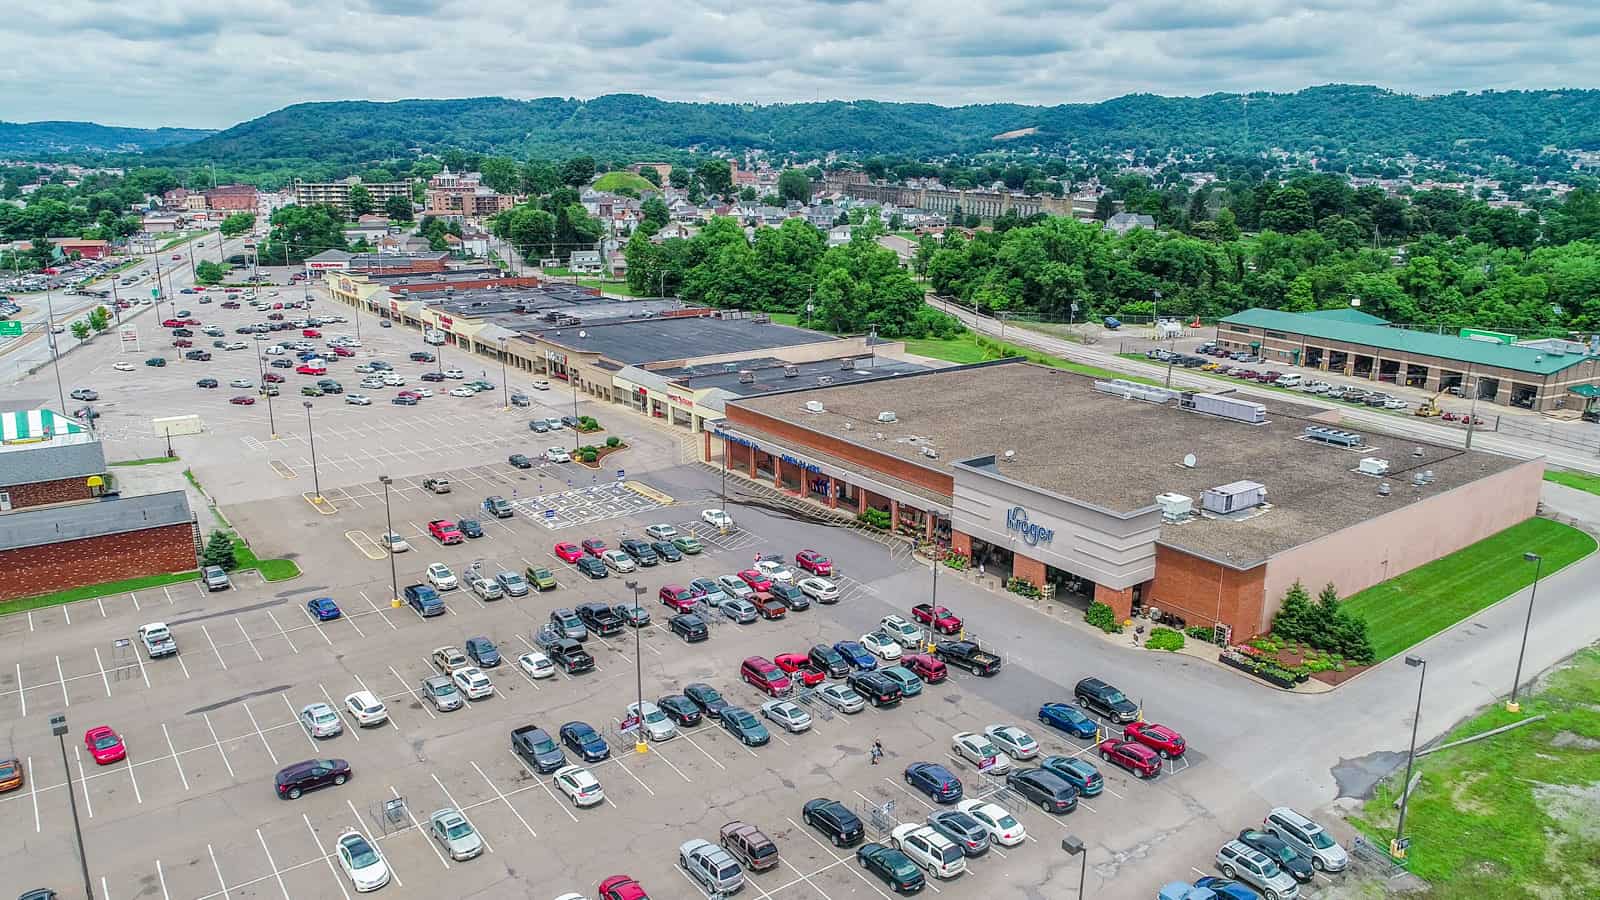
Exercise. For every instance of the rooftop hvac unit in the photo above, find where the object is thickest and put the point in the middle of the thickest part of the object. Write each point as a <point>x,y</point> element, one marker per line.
<point>747,377</point>
<point>824,380</point>
<point>1226,407</point>
<point>930,453</point>
<point>729,367</point>
<point>1371,465</point>
<point>847,364</point>
<point>1132,390</point>
<point>887,416</point>
<point>791,372</point>
<point>1333,436</point>
<point>1384,489</point>
<point>1233,497</point>
<point>1175,507</point>
<point>815,407</point>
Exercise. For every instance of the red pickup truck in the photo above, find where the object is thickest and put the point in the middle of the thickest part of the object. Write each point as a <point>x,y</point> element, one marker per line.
<point>942,619</point>
<point>445,531</point>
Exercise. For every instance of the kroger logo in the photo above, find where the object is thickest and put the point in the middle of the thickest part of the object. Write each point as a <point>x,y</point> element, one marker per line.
<point>1032,535</point>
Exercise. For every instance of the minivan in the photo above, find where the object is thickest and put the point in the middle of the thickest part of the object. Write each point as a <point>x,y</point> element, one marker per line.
<point>1288,381</point>
<point>1308,838</point>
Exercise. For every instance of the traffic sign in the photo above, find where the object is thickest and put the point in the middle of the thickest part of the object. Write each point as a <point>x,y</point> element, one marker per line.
<point>155,292</point>
<point>11,329</point>
<point>549,514</point>
<point>619,474</point>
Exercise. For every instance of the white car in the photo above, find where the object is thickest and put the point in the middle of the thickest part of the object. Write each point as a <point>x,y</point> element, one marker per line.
<point>123,367</point>
<point>981,752</point>
<point>787,714</point>
<point>881,645</point>
<point>241,383</point>
<point>842,697</point>
<point>580,785</point>
<point>734,587</point>
<point>717,518</point>
<point>362,861</point>
<point>537,665</point>
<point>539,384</point>
<point>1016,743</point>
<point>394,379</point>
<point>557,455</point>
<point>372,382</point>
<point>235,345</point>
<point>776,571</point>
<point>454,373</point>
<point>274,350</point>
<point>1394,403</point>
<point>440,576</point>
<point>1003,827</point>
<point>395,543</point>
<point>422,392</point>
<point>358,399</point>
<point>907,633</point>
<point>321,721</point>
<point>463,392</point>
<point>455,834</point>
<point>366,709</point>
<point>661,532</point>
<point>657,727</point>
<point>618,561</point>
<point>929,849</point>
<point>819,589</point>
<point>471,681</point>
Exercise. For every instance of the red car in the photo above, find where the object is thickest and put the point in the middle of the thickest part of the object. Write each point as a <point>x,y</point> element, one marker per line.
<point>943,620</point>
<point>621,887</point>
<point>173,323</point>
<point>678,597</point>
<point>799,665</point>
<point>594,547</point>
<point>1168,744</point>
<point>177,256</point>
<point>310,333</point>
<point>242,400</point>
<point>272,378</point>
<point>1136,758</point>
<point>412,394</point>
<point>343,351</point>
<point>445,531</point>
<point>930,670</point>
<point>275,317</point>
<point>311,370</point>
<point>765,676</point>
<point>814,562</point>
<point>183,342</point>
<point>277,306</point>
<point>568,552</point>
<point>104,745</point>
<point>757,581</point>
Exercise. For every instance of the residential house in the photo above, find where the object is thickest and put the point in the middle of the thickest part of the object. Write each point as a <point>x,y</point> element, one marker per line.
<point>1124,222</point>
<point>838,235</point>
<point>586,262</point>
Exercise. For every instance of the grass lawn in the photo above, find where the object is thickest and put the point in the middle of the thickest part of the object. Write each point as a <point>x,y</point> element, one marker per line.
<point>148,461</point>
<point>1424,601</point>
<point>90,591</point>
<point>1577,480</point>
<point>271,569</point>
<point>790,319</point>
<point>971,348</point>
<point>1511,816</point>
<point>611,181</point>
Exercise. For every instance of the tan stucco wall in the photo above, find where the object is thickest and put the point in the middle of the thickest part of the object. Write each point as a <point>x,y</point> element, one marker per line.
<point>1418,533</point>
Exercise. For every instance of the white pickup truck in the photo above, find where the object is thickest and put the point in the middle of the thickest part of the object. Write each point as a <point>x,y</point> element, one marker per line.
<point>158,640</point>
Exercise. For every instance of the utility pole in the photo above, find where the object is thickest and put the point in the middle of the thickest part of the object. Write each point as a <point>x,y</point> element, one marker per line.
<point>55,352</point>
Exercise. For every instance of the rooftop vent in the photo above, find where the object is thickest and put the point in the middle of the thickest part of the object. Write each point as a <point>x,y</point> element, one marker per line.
<point>1233,497</point>
<point>1010,454</point>
<point>847,364</point>
<point>1175,507</point>
<point>747,377</point>
<point>887,416</point>
<point>791,372</point>
<point>930,453</point>
<point>1416,452</point>
<point>583,334</point>
<point>824,380</point>
<point>729,367</point>
<point>1384,489</point>
<point>1372,465</point>
<point>815,406</point>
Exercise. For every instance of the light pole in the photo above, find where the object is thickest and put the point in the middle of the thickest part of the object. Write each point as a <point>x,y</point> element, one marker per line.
<point>316,482</point>
<point>1538,567</point>
<point>639,744</point>
<point>1074,846</point>
<point>388,525</point>
<point>505,383</point>
<point>55,352</point>
<point>1396,848</point>
<point>933,602</point>
<point>572,377</point>
<point>724,506</point>
<point>261,370</point>
<point>58,727</point>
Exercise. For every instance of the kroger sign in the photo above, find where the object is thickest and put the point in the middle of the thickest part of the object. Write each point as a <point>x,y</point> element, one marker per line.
<point>1031,534</point>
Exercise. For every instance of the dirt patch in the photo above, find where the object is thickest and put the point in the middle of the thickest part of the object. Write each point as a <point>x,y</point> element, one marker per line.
<point>1459,798</point>
<point>1575,806</point>
<point>1013,135</point>
<point>1569,739</point>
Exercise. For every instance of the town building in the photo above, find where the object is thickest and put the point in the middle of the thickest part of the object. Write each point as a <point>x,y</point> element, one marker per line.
<point>985,203</point>
<point>1205,507</point>
<point>232,198</point>
<point>376,263</point>
<point>337,193</point>
<point>85,249</point>
<point>1533,375</point>
<point>1123,222</point>
<point>457,196</point>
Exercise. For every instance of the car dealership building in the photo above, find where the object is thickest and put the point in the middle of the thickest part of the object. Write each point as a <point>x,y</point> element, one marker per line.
<point>1206,506</point>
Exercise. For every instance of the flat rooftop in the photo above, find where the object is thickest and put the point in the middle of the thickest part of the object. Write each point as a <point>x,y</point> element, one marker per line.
<point>770,374</point>
<point>656,340</point>
<point>1118,454</point>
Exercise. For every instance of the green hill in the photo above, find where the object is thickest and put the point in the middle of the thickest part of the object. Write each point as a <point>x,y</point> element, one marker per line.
<point>612,181</point>
<point>35,138</point>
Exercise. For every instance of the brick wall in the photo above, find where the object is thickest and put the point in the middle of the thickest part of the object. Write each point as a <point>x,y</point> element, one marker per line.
<point>1205,593</point>
<point>38,493</point>
<point>54,567</point>
<point>798,439</point>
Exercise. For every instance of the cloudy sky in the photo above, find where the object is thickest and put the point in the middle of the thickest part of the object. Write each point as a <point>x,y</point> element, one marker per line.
<point>212,63</point>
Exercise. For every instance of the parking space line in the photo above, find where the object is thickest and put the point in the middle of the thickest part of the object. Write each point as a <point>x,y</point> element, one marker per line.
<point>181,664</point>
<point>282,632</point>
<point>618,761</point>
<point>326,856</point>
<point>247,639</point>
<point>259,732</point>
<point>656,750</point>
<point>805,878</point>
<point>102,606</point>
<point>131,764</point>
<point>162,878</point>
<point>275,872</point>
<point>171,601</point>
<point>355,727</point>
<point>174,751</point>
<point>539,780</point>
<point>22,695</point>
<point>388,718</point>
<point>407,688</point>
<point>220,660</point>
<point>377,610</point>
<point>103,679</point>
<point>63,676</point>
<point>67,612</point>
<point>393,873</point>
<point>135,598</point>
<point>831,855</point>
<point>83,782</point>
<point>315,624</point>
<point>217,742</point>
<point>418,826</point>
<point>33,788</point>
<point>696,745</point>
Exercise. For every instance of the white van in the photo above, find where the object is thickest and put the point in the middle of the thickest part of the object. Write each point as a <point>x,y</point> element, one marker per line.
<point>1288,381</point>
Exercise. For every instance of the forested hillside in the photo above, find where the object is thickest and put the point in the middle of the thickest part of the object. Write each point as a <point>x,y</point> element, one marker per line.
<point>43,138</point>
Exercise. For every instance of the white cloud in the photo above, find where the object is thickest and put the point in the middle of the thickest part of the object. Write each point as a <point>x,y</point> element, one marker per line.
<point>212,63</point>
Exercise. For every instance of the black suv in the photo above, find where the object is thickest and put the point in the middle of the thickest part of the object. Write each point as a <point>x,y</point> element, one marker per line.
<point>640,551</point>
<point>497,506</point>
<point>689,626</point>
<point>570,656</point>
<point>1050,791</point>
<point>786,593</point>
<point>599,618</point>
<point>835,820</point>
<point>294,780</point>
<point>1094,694</point>
<point>829,660</point>
<point>878,688</point>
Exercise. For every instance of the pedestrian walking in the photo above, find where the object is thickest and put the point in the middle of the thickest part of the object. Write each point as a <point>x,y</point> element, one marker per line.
<point>877,751</point>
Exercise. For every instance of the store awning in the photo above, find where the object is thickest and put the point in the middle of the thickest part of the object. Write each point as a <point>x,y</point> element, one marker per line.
<point>29,425</point>
<point>1588,391</point>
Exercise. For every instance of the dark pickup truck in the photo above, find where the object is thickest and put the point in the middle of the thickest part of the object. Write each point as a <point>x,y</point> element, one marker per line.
<point>600,618</point>
<point>967,655</point>
<point>537,749</point>
<point>570,656</point>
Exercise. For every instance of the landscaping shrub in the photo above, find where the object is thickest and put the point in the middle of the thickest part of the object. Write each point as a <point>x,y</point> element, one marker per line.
<point>590,454</point>
<point>1163,638</point>
<point>1201,633</point>
<point>1023,587</point>
<point>613,441</point>
<point>1103,617</point>
<point>875,518</point>
<point>957,561</point>
<point>219,551</point>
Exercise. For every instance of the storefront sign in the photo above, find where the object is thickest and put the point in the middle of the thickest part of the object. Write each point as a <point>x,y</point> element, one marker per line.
<point>681,401</point>
<point>793,461</point>
<point>735,439</point>
<point>1031,534</point>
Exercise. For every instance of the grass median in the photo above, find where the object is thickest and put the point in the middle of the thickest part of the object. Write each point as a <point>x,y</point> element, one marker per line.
<point>1411,608</point>
<point>270,569</point>
<point>1513,815</point>
<point>1581,481</point>
<point>91,591</point>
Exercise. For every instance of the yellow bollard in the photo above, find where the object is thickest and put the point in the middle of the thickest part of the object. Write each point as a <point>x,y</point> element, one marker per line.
<point>396,603</point>
<point>641,747</point>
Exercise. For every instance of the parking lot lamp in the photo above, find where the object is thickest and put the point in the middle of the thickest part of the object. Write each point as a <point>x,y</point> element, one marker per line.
<point>55,351</point>
<point>1538,567</point>
<point>1074,846</point>
<point>505,385</point>
<point>58,727</point>
<point>639,744</point>
<point>934,600</point>
<point>1396,849</point>
<point>572,378</point>
<point>388,529</point>
<point>316,483</point>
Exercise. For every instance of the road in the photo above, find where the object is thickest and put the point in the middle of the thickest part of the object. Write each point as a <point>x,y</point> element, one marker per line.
<point>1421,429</point>
<point>19,357</point>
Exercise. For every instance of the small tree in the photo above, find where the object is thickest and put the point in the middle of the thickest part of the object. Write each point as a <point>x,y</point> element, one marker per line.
<point>208,272</point>
<point>219,550</point>
<point>1296,617</point>
<point>80,329</point>
<point>99,319</point>
<point>613,441</point>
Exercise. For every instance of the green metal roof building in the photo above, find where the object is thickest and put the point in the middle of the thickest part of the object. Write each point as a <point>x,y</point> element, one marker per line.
<point>1349,342</point>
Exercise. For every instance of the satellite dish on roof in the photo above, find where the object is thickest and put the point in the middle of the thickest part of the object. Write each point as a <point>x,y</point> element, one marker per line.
<point>1188,460</point>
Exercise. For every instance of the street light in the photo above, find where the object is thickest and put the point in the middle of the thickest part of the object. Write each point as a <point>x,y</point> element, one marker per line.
<point>1538,566</point>
<point>316,483</point>
<point>261,369</point>
<point>572,377</point>
<point>639,744</point>
<point>388,524</point>
<point>58,727</point>
<point>1397,849</point>
<point>1074,846</point>
<point>505,383</point>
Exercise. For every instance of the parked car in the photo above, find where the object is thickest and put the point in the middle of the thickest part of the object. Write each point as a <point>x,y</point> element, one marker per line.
<point>1049,791</point>
<point>710,866</point>
<point>744,726</point>
<point>749,845</point>
<point>1003,827</point>
<point>1307,837</point>
<point>1238,860</point>
<point>834,820</point>
<point>1096,695</point>
<point>294,780</point>
<point>1278,850</point>
<point>939,783</point>
<point>930,849</point>
<point>1068,718</point>
<point>451,830</point>
<point>582,739</point>
<point>892,866</point>
<point>1167,743</point>
<point>1078,772</point>
<point>1136,758</point>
